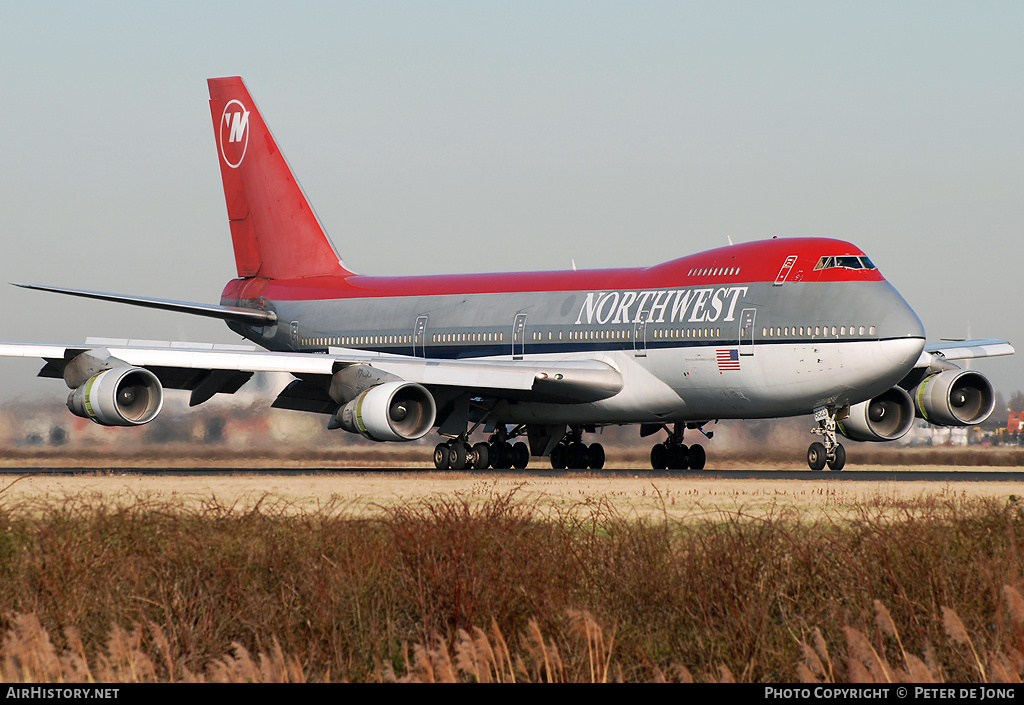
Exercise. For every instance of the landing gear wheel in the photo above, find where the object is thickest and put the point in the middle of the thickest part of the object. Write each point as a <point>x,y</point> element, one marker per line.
<point>502,452</point>
<point>816,456</point>
<point>659,457</point>
<point>595,456</point>
<point>678,457</point>
<point>697,457</point>
<point>481,456</point>
<point>577,456</point>
<point>457,456</point>
<point>838,461</point>
<point>441,456</point>
<point>558,457</point>
<point>520,456</point>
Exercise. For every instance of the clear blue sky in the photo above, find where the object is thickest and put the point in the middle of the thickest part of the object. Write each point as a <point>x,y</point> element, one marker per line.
<point>476,136</point>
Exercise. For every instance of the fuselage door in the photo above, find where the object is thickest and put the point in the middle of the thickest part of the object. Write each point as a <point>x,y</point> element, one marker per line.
<point>419,337</point>
<point>640,334</point>
<point>519,336</point>
<point>747,331</point>
<point>787,267</point>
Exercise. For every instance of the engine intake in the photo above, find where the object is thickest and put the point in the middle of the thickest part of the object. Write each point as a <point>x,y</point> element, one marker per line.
<point>393,411</point>
<point>954,398</point>
<point>122,396</point>
<point>885,418</point>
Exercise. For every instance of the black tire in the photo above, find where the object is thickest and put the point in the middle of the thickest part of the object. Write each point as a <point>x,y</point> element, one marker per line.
<point>441,456</point>
<point>838,462</point>
<point>659,457</point>
<point>577,456</point>
<point>698,457</point>
<point>678,457</point>
<point>504,456</point>
<point>458,458</point>
<point>816,456</point>
<point>520,455</point>
<point>558,457</point>
<point>595,456</point>
<point>481,456</point>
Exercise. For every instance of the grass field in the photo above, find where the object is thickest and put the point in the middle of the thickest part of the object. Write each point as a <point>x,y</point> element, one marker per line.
<point>373,494</point>
<point>382,577</point>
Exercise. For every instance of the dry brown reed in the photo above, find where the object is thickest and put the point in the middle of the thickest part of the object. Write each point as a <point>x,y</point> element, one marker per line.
<point>143,590</point>
<point>28,655</point>
<point>867,662</point>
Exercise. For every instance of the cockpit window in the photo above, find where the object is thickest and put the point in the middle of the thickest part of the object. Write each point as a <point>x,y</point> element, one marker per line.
<point>845,262</point>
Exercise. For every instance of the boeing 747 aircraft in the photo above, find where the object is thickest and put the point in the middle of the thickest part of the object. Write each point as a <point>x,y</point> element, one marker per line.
<point>782,327</point>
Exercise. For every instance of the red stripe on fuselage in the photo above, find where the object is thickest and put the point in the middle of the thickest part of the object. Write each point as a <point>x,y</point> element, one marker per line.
<point>746,263</point>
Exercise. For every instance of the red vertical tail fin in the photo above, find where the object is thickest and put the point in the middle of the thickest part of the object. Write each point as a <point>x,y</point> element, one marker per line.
<point>275,233</point>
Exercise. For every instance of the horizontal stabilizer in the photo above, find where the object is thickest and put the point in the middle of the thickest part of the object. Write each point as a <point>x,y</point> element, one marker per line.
<point>250,316</point>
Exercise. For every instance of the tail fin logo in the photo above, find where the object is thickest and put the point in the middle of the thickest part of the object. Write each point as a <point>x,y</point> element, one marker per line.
<point>234,133</point>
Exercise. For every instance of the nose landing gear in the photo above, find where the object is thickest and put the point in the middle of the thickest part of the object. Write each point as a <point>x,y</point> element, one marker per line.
<point>829,452</point>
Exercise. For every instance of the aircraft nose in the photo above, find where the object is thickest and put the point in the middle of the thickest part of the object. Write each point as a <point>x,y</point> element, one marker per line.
<point>903,352</point>
<point>902,331</point>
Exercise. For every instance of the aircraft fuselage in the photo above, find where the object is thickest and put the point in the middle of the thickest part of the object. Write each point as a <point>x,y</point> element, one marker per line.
<point>757,330</point>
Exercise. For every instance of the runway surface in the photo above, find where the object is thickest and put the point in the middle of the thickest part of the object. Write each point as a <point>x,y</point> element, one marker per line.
<point>966,474</point>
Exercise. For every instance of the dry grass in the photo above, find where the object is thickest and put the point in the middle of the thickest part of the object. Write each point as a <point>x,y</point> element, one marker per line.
<point>867,661</point>
<point>370,495</point>
<point>27,655</point>
<point>453,589</point>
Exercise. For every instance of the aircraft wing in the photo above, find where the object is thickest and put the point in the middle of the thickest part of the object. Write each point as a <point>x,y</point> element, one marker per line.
<point>224,368</point>
<point>963,350</point>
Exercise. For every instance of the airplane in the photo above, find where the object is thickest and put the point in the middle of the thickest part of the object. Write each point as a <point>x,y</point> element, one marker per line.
<point>775,328</point>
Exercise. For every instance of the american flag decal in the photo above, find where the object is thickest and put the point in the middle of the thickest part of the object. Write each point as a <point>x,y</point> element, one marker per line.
<point>728,360</point>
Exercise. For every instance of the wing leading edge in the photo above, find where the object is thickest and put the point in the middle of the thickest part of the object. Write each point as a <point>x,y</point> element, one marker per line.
<point>556,381</point>
<point>969,349</point>
<point>963,350</point>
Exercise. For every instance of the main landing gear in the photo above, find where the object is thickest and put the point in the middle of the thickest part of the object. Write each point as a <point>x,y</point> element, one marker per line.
<point>497,453</point>
<point>573,454</point>
<point>831,451</point>
<point>674,455</point>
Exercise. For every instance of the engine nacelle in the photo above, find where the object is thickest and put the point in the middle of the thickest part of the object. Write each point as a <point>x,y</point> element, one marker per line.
<point>121,396</point>
<point>393,411</point>
<point>955,398</point>
<point>885,418</point>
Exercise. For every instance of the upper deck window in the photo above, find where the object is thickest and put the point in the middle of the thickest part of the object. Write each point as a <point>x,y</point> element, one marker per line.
<point>844,262</point>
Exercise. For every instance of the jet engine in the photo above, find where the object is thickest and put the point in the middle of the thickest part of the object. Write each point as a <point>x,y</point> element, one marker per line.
<point>954,398</point>
<point>393,411</point>
<point>884,418</point>
<point>121,396</point>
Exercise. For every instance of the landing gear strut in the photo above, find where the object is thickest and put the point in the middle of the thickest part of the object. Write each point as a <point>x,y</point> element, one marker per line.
<point>830,452</point>
<point>674,455</point>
